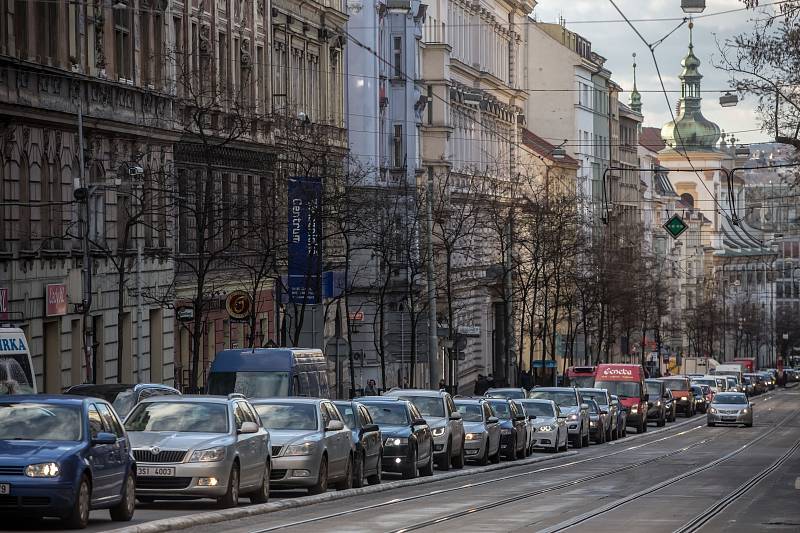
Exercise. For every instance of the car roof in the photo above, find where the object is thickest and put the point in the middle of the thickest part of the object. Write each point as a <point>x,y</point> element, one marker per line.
<point>592,389</point>
<point>192,398</point>
<point>505,388</point>
<point>554,389</point>
<point>300,400</point>
<point>537,400</point>
<point>464,401</point>
<point>62,399</point>
<point>417,392</point>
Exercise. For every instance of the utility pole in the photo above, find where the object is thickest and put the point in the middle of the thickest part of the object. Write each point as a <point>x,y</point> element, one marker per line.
<point>139,340</point>
<point>86,303</point>
<point>433,340</point>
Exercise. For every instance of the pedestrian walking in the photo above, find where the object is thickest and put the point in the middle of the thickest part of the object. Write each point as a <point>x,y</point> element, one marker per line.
<point>481,385</point>
<point>372,389</point>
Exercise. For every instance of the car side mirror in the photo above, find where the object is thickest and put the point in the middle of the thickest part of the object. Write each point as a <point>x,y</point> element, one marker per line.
<point>369,428</point>
<point>584,406</point>
<point>418,422</point>
<point>531,417</point>
<point>104,438</point>
<point>492,420</point>
<point>248,428</point>
<point>455,415</point>
<point>334,425</point>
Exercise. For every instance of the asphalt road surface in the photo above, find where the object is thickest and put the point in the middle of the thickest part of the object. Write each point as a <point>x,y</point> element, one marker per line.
<point>688,478</point>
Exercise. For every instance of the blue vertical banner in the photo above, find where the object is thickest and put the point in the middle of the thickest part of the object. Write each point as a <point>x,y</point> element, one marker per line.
<point>305,239</point>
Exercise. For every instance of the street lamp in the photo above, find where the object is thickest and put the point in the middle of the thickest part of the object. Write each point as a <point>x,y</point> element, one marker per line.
<point>693,6</point>
<point>559,152</point>
<point>728,100</point>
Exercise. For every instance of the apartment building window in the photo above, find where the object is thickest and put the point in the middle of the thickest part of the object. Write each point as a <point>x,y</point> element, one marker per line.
<point>123,44</point>
<point>24,230</point>
<point>48,48</point>
<point>21,27</point>
<point>157,51</point>
<point>145,21</point>
<point>222,66</point>
<point>228,208</point>
<point>180,58</point>
<point>397,56</point>
<point>397,146</point>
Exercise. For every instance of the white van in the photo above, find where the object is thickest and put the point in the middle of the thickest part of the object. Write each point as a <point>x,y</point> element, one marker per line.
<point>16,366</point>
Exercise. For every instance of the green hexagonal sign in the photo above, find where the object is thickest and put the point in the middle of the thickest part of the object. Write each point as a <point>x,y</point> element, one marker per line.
<point>675,226</point>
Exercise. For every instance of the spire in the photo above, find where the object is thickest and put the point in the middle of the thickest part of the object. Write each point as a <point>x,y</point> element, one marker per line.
<point>690,131</point>
<point>636,98</point>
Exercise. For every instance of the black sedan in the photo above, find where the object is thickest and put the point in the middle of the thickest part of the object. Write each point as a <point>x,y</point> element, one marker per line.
<point>407,439</point>
<point>368,442</point>
<point>513,428</point>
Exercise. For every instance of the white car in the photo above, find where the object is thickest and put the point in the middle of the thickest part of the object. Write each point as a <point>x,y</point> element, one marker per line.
<point>550,425</point>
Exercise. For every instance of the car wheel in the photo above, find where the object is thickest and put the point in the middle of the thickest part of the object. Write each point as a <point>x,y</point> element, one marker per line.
<point>262,494</point>
<point>78,517</point>
<point>662,421</point>
<point>496,457</point>
<point>358,471</point>
<point>577,442</point>
<point>458,460</point>
<point>427,470</point>
<point>521,452</point>
<point>375,478</point>
<point>321,486</point>
<point>586,439</point>
<point>444,462</point>
<point>711,424</point>
<point>231,497</point>
<point>412,471</point>
<point>749,425</point>
<point>123,511</point>
<point>347,481</point>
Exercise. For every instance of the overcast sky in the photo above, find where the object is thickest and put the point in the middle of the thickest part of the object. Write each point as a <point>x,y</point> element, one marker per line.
<point>616,41</point>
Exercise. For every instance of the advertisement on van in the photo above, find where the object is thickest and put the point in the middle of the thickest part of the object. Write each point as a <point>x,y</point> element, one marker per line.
<point>16,367</point>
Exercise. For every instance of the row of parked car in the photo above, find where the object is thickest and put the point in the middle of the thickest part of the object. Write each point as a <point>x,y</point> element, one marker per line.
<point>107,446</point>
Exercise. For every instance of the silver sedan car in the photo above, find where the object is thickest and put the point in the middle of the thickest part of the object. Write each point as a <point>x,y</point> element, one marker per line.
<point>199,446</point>
<point>311,446</point>
<point>482,439</point>
<point>551,427</point>
<point>730,408</point>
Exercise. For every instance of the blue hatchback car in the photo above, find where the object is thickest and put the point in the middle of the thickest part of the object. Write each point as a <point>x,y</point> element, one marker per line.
<point>62,456</point>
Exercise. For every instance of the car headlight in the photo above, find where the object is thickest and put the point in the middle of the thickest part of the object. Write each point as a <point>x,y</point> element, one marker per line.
<point>210,455</point>
<point>396,441</point>
<point>683,398</point>
<point>545,428</point>
<point>658,403</point>
<point>438,432</point>
<point>634,408</point>
<point>473,436</point>
<point>593,424</point>
<point>744,411</point>
<point>43,470</point>
<point>305,448</point>
<point>712,411</point>
<point>505,432</point>
<point>573,417</point>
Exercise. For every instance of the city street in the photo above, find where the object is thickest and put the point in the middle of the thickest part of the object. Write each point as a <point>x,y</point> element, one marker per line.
<point>660,481</point>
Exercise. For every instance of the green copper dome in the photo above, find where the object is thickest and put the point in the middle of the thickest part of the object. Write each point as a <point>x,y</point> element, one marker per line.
<point>690,131</point>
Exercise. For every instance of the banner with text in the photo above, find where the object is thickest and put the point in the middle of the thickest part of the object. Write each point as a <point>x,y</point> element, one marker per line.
<point>305,239</point>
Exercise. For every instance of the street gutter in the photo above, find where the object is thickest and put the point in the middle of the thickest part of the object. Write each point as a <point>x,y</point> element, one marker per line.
<point>214,517</point>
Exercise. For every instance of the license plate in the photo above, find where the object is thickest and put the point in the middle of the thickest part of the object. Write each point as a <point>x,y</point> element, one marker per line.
<point>155,471</point>
<point>5,489</point>
<point>729,418</point>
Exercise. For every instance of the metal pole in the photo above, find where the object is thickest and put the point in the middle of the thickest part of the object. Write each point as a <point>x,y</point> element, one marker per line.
<point>86,304</point>
<point>433,340</point>
<point>139,313</point>
<point>724,317</point>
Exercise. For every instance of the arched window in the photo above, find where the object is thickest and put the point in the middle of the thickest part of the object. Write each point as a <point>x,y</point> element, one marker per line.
<point>24,228</point>
<point>688,199</point>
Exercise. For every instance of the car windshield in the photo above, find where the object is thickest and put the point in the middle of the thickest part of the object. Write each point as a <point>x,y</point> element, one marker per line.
<point>295,416</point>
<point>599,397</point>
<point>501,409</point>
<point>251,384</point>
<point>512,394</point>
<point>709,382</point>
<point>346,410</point>
<point>732,381</point>
<point>39,421</point>
<point>564,398</point>
<point>179,417</point>
<point>124,402</point>
<point>675,384</point>
<point>697,390</point>
<point>388,414</point>
<point>428,406</point>
<point>623,389</point>
<point>730,399</point>
<point>593,408</point>
<point>582,381</point>
<point>470,412</point>
<point>539,409</point>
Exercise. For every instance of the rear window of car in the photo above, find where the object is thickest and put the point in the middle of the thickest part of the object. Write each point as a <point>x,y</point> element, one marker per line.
<point>676,384</point>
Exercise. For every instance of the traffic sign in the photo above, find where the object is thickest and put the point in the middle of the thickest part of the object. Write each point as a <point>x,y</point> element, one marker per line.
<point>675,226</point>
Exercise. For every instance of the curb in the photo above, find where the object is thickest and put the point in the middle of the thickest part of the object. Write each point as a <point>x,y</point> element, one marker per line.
<point>214,517</point>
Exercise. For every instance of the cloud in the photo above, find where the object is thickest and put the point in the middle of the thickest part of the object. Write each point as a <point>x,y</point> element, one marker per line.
<point>617,41</point>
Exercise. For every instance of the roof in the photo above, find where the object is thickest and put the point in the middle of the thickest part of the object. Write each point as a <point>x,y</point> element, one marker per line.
<point>544,149</point>
<point>661,182</point>
<point>416,392</point>
<point>62,399</point>
<point>651,139</point>
<point>287,400</point>
<point>739,241</point>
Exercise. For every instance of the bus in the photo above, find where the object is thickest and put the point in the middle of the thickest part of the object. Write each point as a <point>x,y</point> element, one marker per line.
<point>581,376</point>
<point>269,373</point>
<point>16,365</point>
